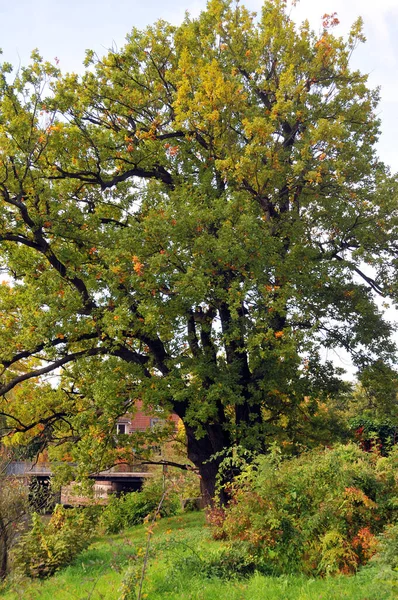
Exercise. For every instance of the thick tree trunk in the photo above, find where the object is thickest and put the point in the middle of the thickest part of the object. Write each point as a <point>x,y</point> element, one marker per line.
<point>208,484</point>
<point>3,560</point>
<point>201,452</point>
<point>3,550</point>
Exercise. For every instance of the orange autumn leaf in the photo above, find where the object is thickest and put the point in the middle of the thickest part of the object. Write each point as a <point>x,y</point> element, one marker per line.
<point>173,150</point>
<point>138,265</point>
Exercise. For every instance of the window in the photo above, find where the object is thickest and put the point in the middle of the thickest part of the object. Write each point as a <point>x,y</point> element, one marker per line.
<point>121,428</point>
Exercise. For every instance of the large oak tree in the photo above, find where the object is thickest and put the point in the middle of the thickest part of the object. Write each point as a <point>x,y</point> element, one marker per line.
<point>191,223</point>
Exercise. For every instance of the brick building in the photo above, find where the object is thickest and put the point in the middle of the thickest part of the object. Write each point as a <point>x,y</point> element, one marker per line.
<point>140,421</point>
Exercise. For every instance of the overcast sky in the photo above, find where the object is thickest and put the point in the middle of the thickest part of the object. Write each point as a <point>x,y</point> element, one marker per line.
<point>65,28</point>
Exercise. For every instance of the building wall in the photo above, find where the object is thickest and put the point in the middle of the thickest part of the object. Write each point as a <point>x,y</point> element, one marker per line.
<point>139,421</point>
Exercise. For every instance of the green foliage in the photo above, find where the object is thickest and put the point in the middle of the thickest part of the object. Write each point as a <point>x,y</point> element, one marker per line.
<point>135,507</point>
<point>181,484</point>
<point>125,511</point>
<point>376,394</point>
<point>129,584</point>
<point>192,504</point>
<point>387,553</point>
<point>233,561</point>
<point>366,413</point>
<point>371,408</point>
<point>14,512</point>
<point>384,563</point>
<point>225,562</point>
<point>318,513</point>
<point>191,219</point>
<point>100,570</point>
<point>48,547</point>
<point>373,433</point>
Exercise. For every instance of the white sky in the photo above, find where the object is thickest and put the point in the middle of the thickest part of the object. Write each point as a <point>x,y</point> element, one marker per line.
<point>65,28</point>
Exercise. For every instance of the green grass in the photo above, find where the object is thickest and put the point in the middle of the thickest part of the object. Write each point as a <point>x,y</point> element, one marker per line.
<point>178,544</point>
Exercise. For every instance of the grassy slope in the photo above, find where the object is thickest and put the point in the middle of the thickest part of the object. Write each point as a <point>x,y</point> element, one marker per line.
<point>98,572</point>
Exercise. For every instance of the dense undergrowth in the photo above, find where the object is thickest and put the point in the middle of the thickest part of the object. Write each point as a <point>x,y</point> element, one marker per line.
<point>182,566</point>
<point>318,514</point>
<point>318,526</point>
<point>48,546</point>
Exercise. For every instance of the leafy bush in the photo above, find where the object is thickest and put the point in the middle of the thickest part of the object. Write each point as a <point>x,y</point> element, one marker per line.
<point>375,433</point>
<point>388,549</point>
<point>318,513</point>
<point>191,504</point>
<point>383,566</point>
<point>48,547</point>
<point>129,582</point>
<point>132,508</point>
<point>236,560</point>
<point>225,562</point>
<point>14,508</point>
<point>125,511</point>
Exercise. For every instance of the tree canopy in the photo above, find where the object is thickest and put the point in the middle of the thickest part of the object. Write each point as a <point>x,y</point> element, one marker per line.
<point>191,223</point>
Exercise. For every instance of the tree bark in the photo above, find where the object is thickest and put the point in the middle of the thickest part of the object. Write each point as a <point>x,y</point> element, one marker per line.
<point>201,452</point>
<point>3,550</point>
